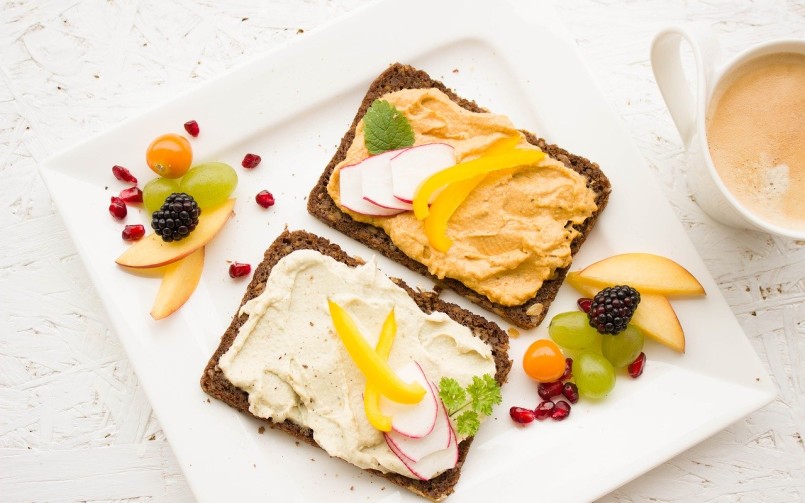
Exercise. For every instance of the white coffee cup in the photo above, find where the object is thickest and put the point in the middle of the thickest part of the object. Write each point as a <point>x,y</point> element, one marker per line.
<point>689,115</point>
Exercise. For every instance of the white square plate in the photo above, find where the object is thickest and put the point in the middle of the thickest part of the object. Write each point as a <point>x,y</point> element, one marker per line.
<point>292,107</point>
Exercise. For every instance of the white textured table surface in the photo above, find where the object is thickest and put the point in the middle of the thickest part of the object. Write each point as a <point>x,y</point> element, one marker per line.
<point>74,423</point>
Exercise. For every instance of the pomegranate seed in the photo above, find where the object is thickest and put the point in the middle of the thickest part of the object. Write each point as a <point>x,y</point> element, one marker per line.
<point>123,174</point>
<point>133,232</point>
<point>568,370</point>
<point>250,161</point>
<point>117,208</point>
<point>264,199</point>
<point>571,392</point>
<point>544,410</point>
<point>521,415</point>
<point>560,410</point>
<point>636,367</point>
<point>132,195</point>
<point>548,390</point>
<point>238,269</point>
<point>584,304</point>
<point>192,128</point>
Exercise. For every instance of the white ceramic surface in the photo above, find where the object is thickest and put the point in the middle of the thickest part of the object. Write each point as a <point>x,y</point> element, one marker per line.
<point>689,115</point>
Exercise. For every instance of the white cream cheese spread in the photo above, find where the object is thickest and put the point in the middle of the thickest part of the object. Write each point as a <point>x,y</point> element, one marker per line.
<point>289,360</point>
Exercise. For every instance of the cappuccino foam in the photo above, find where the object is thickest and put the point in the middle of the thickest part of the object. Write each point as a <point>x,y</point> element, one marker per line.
<point>756,137</point>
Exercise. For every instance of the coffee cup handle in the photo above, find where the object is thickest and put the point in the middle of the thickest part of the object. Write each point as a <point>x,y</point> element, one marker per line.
<point>666,61</point>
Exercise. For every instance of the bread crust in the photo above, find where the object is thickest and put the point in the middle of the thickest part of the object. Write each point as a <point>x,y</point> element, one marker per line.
<point>214,383</point>
<point>321,205</point>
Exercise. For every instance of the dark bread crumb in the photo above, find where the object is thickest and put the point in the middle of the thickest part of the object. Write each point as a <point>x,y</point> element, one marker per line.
<point>322,206</point>
<point>215,383</point>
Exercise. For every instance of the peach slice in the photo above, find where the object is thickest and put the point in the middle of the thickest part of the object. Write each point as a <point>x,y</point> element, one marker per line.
<point>654,315</point>
<point>178,284</point>
<point>151,251</point>
<point>646,272</point>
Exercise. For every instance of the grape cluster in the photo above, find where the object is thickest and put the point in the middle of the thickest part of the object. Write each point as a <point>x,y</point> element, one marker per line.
<point>596,356</point>
<point>210,184</point>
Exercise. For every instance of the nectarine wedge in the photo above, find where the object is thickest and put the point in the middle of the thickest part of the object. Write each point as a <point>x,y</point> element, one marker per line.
<point>654,315</point>
<point>151,251</point>
<point>178,284</point>
<point>646,272</point>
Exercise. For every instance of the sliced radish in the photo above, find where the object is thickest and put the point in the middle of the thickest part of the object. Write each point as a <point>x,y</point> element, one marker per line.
<point>432,464</point>
<point>415,449</point>
<point>413,420</point>
<point>351,192</point>
<point>415,165</point>
<point>376,184</point>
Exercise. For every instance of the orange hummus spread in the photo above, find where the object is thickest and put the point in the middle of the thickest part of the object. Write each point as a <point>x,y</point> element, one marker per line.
<point>512,232</point>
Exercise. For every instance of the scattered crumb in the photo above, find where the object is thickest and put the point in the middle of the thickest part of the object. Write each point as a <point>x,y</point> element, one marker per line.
<point>310,323</point>
<point>261,430</point>
<point>513,332</point>
<point>757,379</point>
<point>455,70</point>
<point>297,443</point>
<point>106,187</point>
<point>244,19</point>
<point>300,31</point>
<point>107,435</point>
<point>351,488</point>
<point>312,459</point>
<point>254,466</point>
<point>208,400</point>
<point>152,437</point>
<point>383,488</point>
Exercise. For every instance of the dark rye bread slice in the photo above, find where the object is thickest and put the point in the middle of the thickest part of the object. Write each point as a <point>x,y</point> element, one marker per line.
<point>214,383</point>
<point>322,206</point>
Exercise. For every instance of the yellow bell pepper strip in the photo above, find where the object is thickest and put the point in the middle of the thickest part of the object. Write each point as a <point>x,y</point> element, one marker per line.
<point>443,207</point>
<point>371,394</point>
<point>448,201</point>
<point>369,362</point>
<point>470,169</point>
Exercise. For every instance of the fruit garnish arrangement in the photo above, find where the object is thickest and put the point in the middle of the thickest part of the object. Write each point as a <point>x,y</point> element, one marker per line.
<point>187,205</point>
<point>625,301</point>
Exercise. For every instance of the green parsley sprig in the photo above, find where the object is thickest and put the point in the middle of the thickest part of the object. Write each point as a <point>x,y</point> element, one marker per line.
<point>477,399</point>
<point>386,128</point>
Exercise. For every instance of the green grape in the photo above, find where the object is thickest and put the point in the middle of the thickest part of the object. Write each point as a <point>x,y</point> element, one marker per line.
<point>156,191</point>
<point>210,183</point>
<point>623,348</point>
<point>572,330</point>
<point>594,375</point>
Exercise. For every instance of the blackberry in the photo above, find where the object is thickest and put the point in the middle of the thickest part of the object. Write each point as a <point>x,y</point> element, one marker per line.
<point>176,218</point>
<point>612,308</point>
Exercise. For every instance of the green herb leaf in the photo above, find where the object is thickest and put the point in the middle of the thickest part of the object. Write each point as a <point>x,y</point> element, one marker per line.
<point>484,393</point>
<point>468,423</point>
<point>481,395</point>
<point>452,394</point>
<point>386,128</point>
